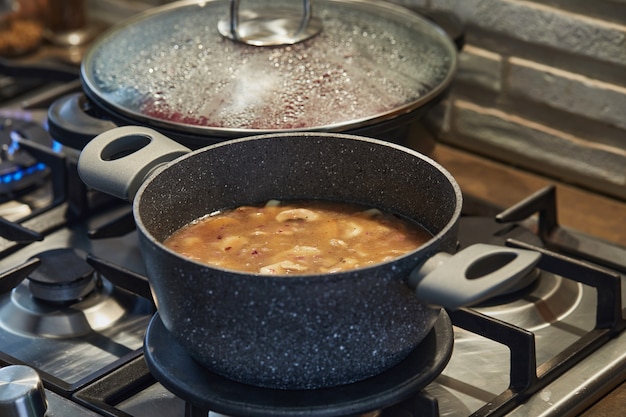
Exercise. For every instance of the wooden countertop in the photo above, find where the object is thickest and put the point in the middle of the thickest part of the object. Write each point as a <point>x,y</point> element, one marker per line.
<point>582,210</point>
<point>504,185</point>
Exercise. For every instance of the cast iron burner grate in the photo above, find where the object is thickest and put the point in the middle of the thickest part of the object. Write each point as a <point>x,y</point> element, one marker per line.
<point>526,377</point>
<point>70,201</point>
<point>179,373</point>
<point>99,330</point>
<point>560,238</point>
<point>19,170</point>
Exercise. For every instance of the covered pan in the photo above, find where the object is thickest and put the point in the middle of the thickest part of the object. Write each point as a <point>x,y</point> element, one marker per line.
<point>306,331</point>
<point>368,67</point>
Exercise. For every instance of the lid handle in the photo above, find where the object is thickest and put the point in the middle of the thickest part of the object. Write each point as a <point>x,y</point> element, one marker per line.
<point>269,28</point>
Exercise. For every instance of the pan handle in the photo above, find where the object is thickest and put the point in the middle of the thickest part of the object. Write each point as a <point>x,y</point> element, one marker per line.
<point>472,275</point>
<point>70,124</point>
<point>118,161</point>
<point>267,28</point>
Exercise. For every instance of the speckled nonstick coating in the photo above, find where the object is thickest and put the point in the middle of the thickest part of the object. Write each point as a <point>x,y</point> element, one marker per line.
<point>295,332</point>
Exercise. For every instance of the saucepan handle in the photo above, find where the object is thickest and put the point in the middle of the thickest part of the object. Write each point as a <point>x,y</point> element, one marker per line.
<point>472,275</point>
<point>118,161</point>
<point>266,28</point>
<point>70,124</point>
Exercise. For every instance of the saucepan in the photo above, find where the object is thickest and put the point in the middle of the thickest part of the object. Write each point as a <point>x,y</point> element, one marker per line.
<point>362,67</point>
<point>297,331</point>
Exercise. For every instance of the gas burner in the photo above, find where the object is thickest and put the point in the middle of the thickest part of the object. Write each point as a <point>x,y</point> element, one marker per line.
<point>180,374</point>
<point>64,297</point>
<point>548,300</point>
<point>18,169</point>
<point>62,277</point>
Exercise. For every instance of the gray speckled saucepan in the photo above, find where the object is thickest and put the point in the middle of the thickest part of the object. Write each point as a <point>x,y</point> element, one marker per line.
<point>307,331</point>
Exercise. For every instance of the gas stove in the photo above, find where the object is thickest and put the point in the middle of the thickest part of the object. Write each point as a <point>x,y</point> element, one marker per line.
<point>80,333</point>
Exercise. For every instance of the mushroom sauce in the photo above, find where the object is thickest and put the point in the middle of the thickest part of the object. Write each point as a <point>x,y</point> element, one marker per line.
<point>297,237</point>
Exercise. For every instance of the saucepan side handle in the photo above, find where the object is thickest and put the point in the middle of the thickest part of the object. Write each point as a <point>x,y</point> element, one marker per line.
<point>70,124</point>
<point>118,161</point>
<point>472,275</point>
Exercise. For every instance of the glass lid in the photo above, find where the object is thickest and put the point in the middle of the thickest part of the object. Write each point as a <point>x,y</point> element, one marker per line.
<point>171,66</point>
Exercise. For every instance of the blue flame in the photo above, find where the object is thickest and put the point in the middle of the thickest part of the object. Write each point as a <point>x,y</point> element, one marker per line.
<point>56,146</point>
<point>15,144</point>
<point>18,175</point>
<point>25,172</point>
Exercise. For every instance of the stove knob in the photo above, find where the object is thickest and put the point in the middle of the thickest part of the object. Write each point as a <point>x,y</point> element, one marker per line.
<point>21,392</point>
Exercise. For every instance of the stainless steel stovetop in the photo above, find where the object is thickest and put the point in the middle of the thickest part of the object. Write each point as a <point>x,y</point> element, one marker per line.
<point>550,349</point>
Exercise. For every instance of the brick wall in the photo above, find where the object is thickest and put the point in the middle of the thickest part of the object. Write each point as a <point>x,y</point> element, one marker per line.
<point>541,85</point>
